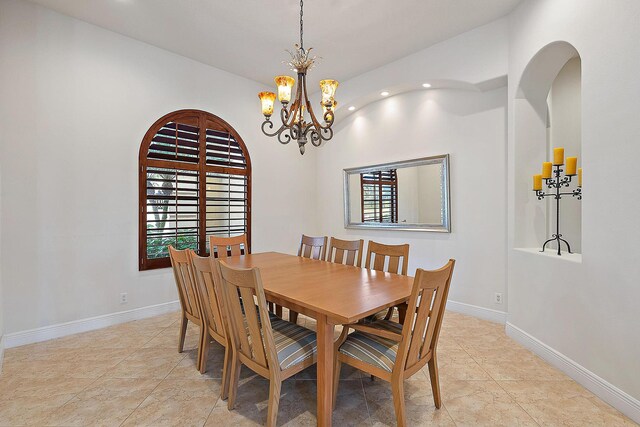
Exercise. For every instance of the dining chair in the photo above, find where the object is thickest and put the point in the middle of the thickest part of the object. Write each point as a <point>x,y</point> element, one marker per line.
<point>387,258</point>
<point>223,247</point>
<point>273,348</point>
<point>214,323</point>
<point>348,252</point>
<point>314,248</point>
<point>187,293</point>
<point>394,352</point>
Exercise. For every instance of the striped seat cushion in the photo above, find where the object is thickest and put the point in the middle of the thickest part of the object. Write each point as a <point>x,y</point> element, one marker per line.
<point>294,343</point>
<point>374,350</point>
<point>375,317</point>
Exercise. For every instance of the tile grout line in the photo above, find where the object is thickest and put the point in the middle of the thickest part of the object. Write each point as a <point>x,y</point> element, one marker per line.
<point>496,381</point>
<point>211,411</point>
<point>366,403</point>
<point>159,382</point>
<point>517,403</point>
<point>96,379</point>
<point>449,414</point>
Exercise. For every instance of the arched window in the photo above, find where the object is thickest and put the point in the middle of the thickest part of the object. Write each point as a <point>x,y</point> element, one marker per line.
<point>195,181</point>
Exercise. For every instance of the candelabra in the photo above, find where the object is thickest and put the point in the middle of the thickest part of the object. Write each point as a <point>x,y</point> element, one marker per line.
<point>557,184</point>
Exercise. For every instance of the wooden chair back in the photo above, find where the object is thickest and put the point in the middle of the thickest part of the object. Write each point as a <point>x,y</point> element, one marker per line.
<point>223,247</point>
<point>253,344</point>
<point>394,254</point>
<point>348,252</point>
<point>424,317</point>
<point>210,298</point>
<point>313,247</point>
<point>185,281</point>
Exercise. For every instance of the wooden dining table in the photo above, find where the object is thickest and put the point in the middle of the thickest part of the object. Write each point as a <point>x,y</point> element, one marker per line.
<point>333,294</point>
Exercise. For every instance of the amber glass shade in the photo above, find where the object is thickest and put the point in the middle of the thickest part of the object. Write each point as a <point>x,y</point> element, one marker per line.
<point>267,99</point>
<point>328,88</point>
<point>331,109</point>
<point>285,84</point>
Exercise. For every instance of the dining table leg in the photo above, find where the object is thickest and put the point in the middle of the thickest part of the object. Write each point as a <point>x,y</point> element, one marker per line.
<point>324,331</point>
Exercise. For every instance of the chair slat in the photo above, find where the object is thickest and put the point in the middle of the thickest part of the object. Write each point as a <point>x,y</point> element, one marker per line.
<point>394,262</point>
<point>431,327</point>
<point>237,325</point>
<point>378,262</point>
<point>417,336</point>
<point>351,258</point>
<point>235,250</point>
<point>253,326</point>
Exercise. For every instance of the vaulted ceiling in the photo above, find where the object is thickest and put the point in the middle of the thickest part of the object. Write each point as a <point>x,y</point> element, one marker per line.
<point>249,37</point>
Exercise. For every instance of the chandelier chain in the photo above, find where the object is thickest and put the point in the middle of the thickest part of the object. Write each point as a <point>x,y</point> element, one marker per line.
<point>301,9</point>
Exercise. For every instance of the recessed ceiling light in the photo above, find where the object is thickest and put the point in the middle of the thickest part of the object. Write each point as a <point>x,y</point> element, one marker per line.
<point>351,108</point>
<point>384,93</point>
<point>426,85</point>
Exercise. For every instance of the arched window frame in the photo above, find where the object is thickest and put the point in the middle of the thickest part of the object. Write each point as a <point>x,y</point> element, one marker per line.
<point>205,122</point>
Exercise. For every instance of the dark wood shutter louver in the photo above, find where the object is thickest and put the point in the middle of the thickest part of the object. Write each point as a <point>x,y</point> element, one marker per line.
<point>195,181</point>
<point>379,192</point>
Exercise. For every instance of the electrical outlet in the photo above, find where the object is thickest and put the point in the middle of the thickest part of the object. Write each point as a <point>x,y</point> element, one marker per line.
<point>123,298</point>
<point>497,298</point>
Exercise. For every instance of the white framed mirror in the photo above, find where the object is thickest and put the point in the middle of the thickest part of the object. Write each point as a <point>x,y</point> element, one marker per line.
<point>411,195</point>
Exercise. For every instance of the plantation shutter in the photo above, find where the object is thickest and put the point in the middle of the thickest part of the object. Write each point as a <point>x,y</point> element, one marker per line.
<point>379,196</point>
<point>195,181</point>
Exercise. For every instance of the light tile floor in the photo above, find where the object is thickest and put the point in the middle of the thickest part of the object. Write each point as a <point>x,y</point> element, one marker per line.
<point>132,374</point>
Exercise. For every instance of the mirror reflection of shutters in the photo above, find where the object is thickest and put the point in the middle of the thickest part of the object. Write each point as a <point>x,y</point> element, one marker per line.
<point>379,196</point>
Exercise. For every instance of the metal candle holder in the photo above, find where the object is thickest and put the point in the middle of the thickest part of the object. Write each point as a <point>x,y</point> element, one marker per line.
<point>557,183</point>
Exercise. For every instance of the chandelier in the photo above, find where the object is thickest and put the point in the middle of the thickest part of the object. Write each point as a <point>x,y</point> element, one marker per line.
<point>298,120</point>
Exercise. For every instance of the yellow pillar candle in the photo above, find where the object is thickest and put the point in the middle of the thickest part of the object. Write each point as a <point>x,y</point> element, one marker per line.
<point>546,170</point>
<point>558,156</point>
<point>537,182</point>
<point>579,177</point>
<point>572,164</point>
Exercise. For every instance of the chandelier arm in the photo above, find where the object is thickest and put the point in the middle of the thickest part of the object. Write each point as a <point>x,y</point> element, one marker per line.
<point>284,137</point>
<point>284,115</point>
<point>309,109</point>
<point>318,135</point>
<point>315,137</point>
<point>269,124</point>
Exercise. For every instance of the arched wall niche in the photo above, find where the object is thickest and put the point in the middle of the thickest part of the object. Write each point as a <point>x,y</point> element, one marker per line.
<point>534,219</point>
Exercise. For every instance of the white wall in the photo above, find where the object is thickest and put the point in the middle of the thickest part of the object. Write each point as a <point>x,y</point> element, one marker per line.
<point>588,310</point>
<point>75,102</point>
<point>470,126</point>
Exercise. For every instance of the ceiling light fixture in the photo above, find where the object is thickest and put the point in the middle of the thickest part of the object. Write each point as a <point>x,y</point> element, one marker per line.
<point>384,93</point>
<point>294,126</point>
<point>351,108</point>
<point>426,85</point>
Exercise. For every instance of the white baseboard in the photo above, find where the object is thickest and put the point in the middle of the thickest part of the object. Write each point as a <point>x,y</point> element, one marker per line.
<point>606,391</point>
<point>477,311</point>
<point>45,333</point>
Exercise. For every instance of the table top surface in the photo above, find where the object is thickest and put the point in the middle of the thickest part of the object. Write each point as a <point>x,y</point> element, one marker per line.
<point>343,293</point>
